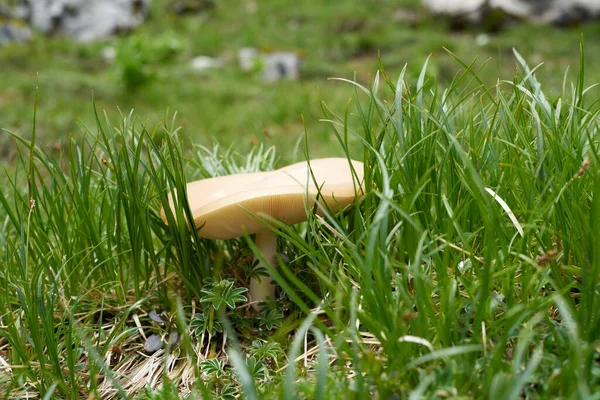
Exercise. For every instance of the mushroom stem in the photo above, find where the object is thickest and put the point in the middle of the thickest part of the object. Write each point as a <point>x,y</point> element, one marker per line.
<point>261,287</point>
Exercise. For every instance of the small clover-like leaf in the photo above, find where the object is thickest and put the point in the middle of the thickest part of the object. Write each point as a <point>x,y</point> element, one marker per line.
<point>258,271</point>
<point>223,293</point>
<point>256,368</point>
<point>235,295</point>
<point>265,350</point>
<point>199,326</point>
<point>228,392</point>
<point>213,366</point>
<point>273,319</point>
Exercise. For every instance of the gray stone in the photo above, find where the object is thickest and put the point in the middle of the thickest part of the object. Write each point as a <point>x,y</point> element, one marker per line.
<point>277,66</point>
<point>87,20</point>
<point>470,10</point>
<point>542,11</point>
<point>12,28</point>
<point>153,343</point>
<point>274,66</point>
<point>12,32</point>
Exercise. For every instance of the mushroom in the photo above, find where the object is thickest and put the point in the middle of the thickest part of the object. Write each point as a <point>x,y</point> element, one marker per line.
<point>233,206</point>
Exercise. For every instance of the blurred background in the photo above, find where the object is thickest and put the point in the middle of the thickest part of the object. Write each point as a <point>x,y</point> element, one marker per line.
<point>244,72</point>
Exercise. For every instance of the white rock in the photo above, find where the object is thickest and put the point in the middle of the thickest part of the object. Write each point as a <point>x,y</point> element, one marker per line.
<point>202,63</point>
<point>277,66</point>
<point>469,9</point>
<point>274,66</point>
<point>482,39</point>
<point>109,53</point>
<point>87,20</point>
<point>547,11</point>
<point>247,58</point>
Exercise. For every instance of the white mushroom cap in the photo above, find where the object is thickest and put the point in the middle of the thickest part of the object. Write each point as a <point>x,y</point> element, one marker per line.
<point>226,207</point>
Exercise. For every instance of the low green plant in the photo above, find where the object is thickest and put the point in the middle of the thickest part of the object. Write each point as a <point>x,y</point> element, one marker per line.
<point>136,56</point>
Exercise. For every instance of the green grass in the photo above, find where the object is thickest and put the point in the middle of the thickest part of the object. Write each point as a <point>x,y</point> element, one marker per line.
<point>470,268</point>
<point>426,289</point>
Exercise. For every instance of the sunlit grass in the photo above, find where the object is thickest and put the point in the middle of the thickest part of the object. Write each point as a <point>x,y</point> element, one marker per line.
<point>469,269</point>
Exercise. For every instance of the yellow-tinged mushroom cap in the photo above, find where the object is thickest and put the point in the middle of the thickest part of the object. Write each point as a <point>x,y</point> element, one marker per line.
<point>226,207</point>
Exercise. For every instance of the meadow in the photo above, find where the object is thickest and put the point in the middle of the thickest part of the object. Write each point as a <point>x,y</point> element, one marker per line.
<point>469,269</point>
